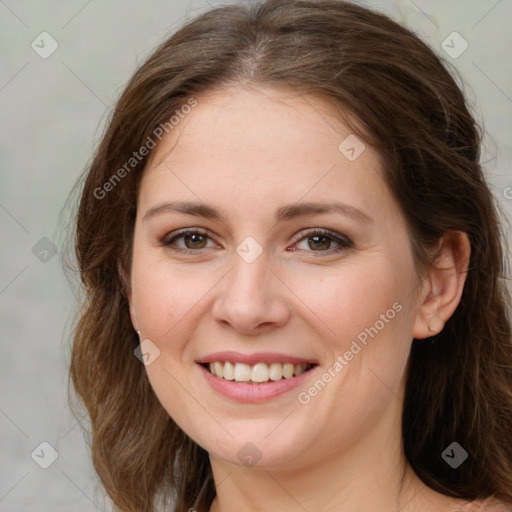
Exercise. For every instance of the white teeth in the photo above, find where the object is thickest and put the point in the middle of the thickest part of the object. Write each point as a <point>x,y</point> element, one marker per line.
<point>288,370</point>
<point>258,373</point>
<point>299,368</point>
<point>242,372</point>
<point>276,371</point>
<point>229,371</point>
<point>219,367</point>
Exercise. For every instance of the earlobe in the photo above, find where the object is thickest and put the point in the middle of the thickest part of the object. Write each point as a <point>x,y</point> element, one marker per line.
<point>436,325</point>
<point>443,285</point>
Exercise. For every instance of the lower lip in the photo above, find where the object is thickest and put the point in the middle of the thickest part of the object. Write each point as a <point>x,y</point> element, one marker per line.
<point>247,392</point>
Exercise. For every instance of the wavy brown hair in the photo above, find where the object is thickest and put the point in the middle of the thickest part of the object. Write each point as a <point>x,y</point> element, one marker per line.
<point>411,110</point>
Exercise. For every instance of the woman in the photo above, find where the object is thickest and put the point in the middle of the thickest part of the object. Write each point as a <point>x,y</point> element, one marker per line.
<point>292,268</point>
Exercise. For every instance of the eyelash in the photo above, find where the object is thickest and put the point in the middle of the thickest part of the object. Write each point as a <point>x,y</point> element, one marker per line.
<point>343,242</point>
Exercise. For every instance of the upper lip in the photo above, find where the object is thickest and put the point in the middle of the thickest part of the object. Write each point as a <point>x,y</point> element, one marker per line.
<point>255,358</point>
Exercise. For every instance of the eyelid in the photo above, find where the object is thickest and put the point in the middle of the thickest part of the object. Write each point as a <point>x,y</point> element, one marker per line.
<point>342,241</point>
<point>184,232</point>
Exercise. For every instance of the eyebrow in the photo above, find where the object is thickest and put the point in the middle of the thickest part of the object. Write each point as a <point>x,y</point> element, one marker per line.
<point>283,213</point>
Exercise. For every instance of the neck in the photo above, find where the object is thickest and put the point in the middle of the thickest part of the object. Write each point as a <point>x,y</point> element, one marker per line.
<point>370,475</point>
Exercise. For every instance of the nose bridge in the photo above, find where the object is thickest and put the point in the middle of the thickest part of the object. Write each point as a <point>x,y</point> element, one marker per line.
<point>247,297</point>
<point>249,278</point>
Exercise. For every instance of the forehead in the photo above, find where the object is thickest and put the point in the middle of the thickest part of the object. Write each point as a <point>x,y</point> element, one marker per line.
<point>275,122</point>
<point>250,145</point>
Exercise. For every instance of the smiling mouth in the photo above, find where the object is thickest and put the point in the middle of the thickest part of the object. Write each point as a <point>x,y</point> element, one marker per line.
<point>259,373</point>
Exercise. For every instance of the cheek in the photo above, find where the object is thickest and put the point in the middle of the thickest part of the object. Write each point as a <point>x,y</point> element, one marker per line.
<point>364,314</point>
<point>164,296</point>
<point>354,299</point>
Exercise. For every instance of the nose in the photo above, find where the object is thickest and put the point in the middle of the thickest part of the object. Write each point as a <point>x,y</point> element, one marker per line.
<point>251,299</point>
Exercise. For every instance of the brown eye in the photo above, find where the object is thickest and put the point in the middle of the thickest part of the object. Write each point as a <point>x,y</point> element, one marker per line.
<point>193,240</point>
<point>321,241</point>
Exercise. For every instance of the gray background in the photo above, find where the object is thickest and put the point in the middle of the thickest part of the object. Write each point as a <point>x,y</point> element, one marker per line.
<point>52,115</point>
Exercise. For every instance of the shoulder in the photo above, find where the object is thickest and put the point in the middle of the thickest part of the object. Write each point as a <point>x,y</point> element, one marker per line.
<point>487,505</point>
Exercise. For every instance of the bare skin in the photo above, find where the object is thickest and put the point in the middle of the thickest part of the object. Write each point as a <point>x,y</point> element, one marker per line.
<point>247,152</point>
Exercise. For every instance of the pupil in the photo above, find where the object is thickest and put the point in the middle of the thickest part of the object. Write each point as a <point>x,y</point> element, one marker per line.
<point>320,242</point>
<point>195,239</point>
<point>325,244</point>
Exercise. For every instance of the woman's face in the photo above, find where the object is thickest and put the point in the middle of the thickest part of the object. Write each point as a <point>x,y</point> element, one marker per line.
<point>270,280</point>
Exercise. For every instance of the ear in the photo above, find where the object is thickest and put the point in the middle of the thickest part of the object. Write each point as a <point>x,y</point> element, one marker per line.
<point>443,285</point>
<point>125,279</point>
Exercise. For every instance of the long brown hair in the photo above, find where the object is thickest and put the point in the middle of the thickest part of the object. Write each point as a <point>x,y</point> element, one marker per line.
<point>412,111</point>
